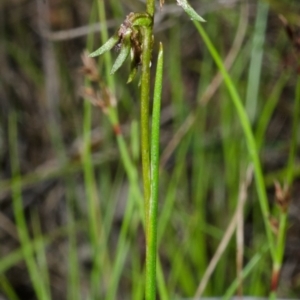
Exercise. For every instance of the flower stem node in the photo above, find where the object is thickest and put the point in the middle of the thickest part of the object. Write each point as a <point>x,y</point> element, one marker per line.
<point>128,39</point>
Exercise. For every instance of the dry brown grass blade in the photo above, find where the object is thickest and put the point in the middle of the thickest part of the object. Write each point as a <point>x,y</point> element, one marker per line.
<point>228,233</point>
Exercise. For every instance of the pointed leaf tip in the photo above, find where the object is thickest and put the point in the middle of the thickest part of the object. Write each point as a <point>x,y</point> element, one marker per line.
<point>190,11</point>
<point>123,53</point>
<point>106,47</point>
<point>132,74</point>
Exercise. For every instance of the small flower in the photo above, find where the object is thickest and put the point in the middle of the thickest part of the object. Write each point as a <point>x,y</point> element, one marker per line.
<point>128,39</point>
<point>98,94</point>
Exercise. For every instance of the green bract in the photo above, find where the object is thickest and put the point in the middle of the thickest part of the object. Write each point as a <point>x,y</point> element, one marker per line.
<point>141,19</point>
<point>123,53</point>
<point>133,71</point>
<point>189,10</point>
<point>129,38</point>
<point>106,47</point>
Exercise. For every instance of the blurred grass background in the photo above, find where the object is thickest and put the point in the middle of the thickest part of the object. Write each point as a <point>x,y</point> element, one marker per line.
<point>70,225</point>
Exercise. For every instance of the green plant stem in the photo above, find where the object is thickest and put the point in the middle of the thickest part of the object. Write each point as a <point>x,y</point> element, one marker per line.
<point>145,96</point>
<point>250,141</point>
<point>150,6</point>
<point>151,246</point>
<point>41,258</point>
<point>132,174</point>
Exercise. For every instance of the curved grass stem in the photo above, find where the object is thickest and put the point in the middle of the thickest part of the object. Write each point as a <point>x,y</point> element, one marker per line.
<point>250,141</point>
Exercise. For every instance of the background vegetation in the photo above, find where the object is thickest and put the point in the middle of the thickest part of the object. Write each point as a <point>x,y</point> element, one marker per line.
<point>70,213</point>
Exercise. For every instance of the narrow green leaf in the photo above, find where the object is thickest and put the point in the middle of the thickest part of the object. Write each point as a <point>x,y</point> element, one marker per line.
<point>190,11</point>
<point>106,47</point>
<point>151,256</point>
<point>123,53</point>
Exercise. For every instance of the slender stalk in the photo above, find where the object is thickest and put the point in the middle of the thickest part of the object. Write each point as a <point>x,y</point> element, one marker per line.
<point>152,221</point>
<point>133,179</point>
<point>145,96</point>
<point>150,6</point>
<point>41,258</point>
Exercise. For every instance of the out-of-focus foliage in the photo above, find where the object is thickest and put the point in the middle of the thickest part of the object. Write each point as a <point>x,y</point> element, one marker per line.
<point>203,157</point>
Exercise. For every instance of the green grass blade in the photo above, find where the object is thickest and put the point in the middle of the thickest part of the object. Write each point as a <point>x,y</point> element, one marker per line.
<point>123,53</point>
<point>106,47</point>
<point>40,251</point>
<point>256,59</point>
<point>8,289</point>
<point>151,242</point>
<point>190,11</point>
<point>250,141</point>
